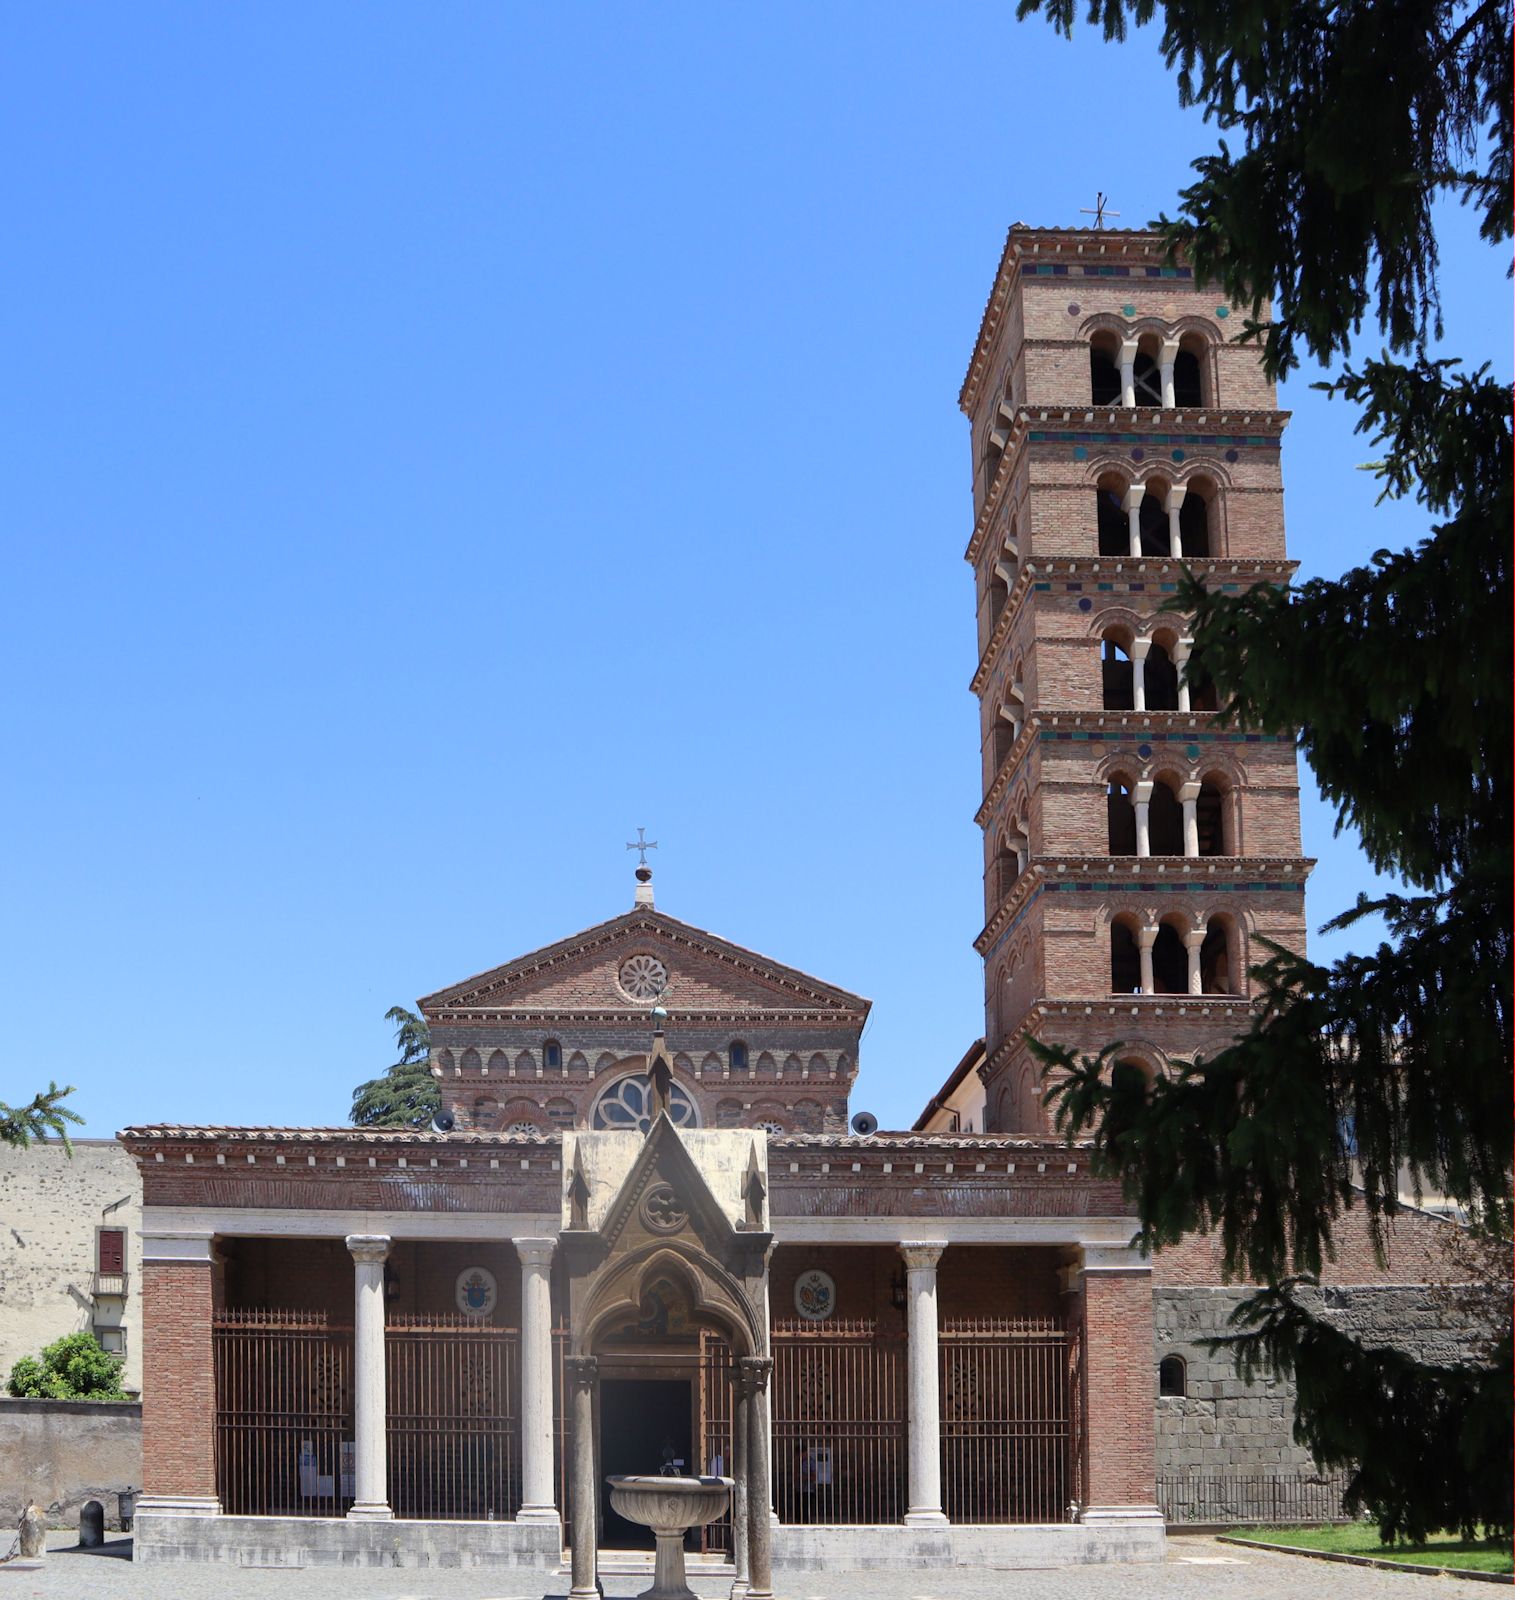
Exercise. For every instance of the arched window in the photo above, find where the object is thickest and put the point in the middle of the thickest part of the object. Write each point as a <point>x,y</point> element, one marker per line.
<point>1161,680</point>
<point>1170,962</point>
<point>1115,677</point>
<point>1007,868</point>
<point>999,593</point>
<point>1114,525</point>
<point>993,455</point>
<point>1002,741</point>
<point>1165,822</point>
<point>552,1054</point>
<point>1194,525</point>
<point>627,1103</point>
<point>1209,811</point>
<point>1125,960</point>
<point>1104,370</point>
<point>1149,379</point>
<point>1189,372</point>
<point>1120,815</point>
<point>1215,960</point>
<point>737,1053</point>
<point>1172,1379</point>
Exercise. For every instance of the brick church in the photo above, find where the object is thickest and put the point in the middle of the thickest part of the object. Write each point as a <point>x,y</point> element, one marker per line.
<point>644,1233</point>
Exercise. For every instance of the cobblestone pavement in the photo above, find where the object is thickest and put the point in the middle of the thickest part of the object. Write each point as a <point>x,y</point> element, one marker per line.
<point>1196,1569</point>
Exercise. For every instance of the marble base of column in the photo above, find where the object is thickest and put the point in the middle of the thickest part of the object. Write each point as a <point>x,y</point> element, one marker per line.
<point>369,1511</point>
<point>925,1519</point>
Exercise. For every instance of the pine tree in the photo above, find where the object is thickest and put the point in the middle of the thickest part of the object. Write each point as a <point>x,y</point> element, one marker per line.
<point>46,1114</point>
<point>1356,119</point>
<point>406,1094</point>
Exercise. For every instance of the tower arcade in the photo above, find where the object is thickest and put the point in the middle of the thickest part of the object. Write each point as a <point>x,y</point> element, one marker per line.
<point>1134,851</point>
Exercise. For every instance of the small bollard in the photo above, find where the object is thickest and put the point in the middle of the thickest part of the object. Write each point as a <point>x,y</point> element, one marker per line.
<point>91,1525</point>
<point>126,1501</point>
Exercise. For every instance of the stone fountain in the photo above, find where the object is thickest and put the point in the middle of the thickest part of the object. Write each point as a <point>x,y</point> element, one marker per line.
<point>670,1507</point>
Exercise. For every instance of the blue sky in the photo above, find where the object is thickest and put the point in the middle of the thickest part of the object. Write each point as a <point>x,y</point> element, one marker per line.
<point>437,440</point>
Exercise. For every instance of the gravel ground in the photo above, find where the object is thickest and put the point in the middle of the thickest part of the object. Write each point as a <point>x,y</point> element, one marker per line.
<point>1197,1569</point>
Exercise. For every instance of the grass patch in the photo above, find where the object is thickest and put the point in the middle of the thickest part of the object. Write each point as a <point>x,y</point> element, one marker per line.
<point>1361,1539</point>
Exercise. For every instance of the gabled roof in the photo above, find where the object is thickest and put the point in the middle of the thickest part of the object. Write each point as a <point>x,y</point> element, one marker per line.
<point>758,983</point>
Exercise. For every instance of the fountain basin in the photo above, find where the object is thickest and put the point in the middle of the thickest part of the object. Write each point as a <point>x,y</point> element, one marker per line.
<point>670,1507</point>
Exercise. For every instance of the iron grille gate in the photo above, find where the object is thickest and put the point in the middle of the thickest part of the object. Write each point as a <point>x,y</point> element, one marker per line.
<point>1005,1420</point>
<point>839,1422</point>
<point>453,1436</point>
<point>283,1413</point>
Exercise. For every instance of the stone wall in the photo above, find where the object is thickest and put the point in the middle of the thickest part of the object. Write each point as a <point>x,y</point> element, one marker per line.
<point>60,1453</point>
<point>1224,1431</point>
<point>51,1208</point>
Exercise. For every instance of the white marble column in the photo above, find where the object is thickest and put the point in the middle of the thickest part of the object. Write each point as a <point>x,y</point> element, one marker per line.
<point>537,1502</point>
<point>1165,359</point>
<point>925,1385</point>
<point>1139,649</point>
<point>1188,796</point>
<point>1141,803</point>
<point>1193,940</point>
<point>1181,649</point>
<point>755,1371</point>
<point>1128,373</point>
<point>1175,506</point>
<point>1132,504</point>
<point>370,1475</point>
<point>1145,939</point>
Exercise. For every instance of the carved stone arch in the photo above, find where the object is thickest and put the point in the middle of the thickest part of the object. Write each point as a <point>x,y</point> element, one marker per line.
<point>1217,759</point>
<point>1122,761</point>
<point>1202,467</point>
<point>498,1064</point>
<point>1189,324</point>
<point>766,1065</point>
<point>1109,465</point>
<point>682,1063</point>
<point>1102,322</point>
<point>444,1061</point>
<point>576,1062</point>
<point>521,1111</point>
<point>710,1067</point>
<point>1186,916</point>
<point>791,1065</point>
<point>843,1065</point>
<point>469,1061</point>
<point>605,1062</point>
<point>716,1296</point>
<point>1152,1060</point>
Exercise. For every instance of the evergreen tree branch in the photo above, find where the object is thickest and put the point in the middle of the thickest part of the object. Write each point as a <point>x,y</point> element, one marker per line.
<point>46,1114</point>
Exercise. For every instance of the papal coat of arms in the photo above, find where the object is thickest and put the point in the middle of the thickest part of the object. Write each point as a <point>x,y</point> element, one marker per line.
<point>477,1292</point>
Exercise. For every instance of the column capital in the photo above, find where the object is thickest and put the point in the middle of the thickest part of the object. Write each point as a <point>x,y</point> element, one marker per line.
<point>1176,493</point>
<point>1147,937</point>
<point>1141,793</point>
<point>1189,792</point>
<point>1181,649</point>
<point>754,1372</point>
<point>1139,648</point>
<point>1194,938</point>
<point>369,1246</point>
<point>1133,497</point>
<point>922,1254</point>
<point>535,1252</point>
<point>583,1371</point>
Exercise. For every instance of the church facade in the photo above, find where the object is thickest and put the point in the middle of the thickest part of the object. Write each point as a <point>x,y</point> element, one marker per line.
<point>644,1234</point>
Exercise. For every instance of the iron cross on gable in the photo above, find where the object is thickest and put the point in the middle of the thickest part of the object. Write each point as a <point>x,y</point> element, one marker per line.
<point>1097,210</point>
<point>642,846</point>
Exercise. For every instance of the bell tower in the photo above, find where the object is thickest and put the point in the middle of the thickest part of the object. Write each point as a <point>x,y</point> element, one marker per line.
<point>1134,853</point>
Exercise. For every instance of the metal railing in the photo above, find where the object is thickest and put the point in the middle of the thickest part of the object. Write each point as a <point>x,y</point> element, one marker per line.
<point>1005,1420</point>
<point>1268,1499</point>
<point>840,1433</point>
<point>453,1432</point>
<point>283,1413</point>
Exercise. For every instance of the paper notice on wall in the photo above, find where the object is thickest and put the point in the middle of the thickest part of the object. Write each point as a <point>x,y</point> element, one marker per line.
<point>349,1468</point>
<point>308,1473</point>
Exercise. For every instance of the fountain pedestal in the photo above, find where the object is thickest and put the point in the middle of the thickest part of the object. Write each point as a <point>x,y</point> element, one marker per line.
<point>670,1507</point>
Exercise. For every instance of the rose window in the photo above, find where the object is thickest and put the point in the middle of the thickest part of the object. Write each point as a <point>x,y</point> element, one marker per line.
<point>643,977</point>
<point>627,1103</point>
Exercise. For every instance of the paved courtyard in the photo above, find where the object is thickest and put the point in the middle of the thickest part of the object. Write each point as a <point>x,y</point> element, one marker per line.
<point>1197,1569</point>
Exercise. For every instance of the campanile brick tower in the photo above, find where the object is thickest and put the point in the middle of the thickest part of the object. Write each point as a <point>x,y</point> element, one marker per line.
<point>1134,853</point>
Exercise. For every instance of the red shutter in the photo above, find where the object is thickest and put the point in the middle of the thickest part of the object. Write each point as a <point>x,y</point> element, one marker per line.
<point>112,1251</point>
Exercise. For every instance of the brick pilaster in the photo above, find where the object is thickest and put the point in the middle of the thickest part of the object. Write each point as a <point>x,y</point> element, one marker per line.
<point>179,1382</point>
<point>1117,1448</point>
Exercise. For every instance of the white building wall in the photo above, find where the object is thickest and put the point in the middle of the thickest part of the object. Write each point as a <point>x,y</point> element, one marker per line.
<point>51,1208</point>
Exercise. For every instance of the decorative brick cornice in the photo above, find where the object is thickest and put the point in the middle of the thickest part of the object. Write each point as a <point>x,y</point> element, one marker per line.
<point>1117,728</point>
<point>1119,577</point>
<point>1082,252</point>
<point>1080,426</point>
<point>1142,874</point>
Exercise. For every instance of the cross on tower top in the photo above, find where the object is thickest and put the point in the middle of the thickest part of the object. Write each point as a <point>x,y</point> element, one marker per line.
<point>642,845</point>
<point>1097,210</point>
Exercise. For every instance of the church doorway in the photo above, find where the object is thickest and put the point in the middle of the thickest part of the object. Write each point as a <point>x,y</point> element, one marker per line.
<point>643,1423</point>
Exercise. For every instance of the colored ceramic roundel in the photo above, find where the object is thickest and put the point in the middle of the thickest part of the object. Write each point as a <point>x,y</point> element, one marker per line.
<point>1223,312</point>
<point>1086,604</point>
<point>1192,751</point>
<point>815,1295</point>
<point>476,1292</point>
<point>1073,308</point>
<point>1233,455</point>
<point>1128,311</point>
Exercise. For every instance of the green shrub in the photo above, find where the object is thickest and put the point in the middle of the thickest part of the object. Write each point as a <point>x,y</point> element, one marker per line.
<point>75,1367</point>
